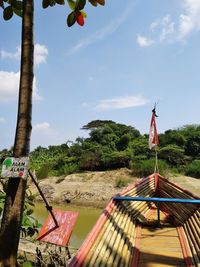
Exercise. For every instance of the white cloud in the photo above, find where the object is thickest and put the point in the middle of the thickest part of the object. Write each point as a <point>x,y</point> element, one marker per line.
<point>144,41</point>
<point>190,20</point>
<point>16,55</point>
<point>161,29</point>
<point>41,127</point>
<point>40,54</point>
<point>167,30</point>
<point>43,134</point>
<point>102,33</point>
<point>9,86</point>
<point>36,95</point>
<point>121,103</point>
<point>2,120</point>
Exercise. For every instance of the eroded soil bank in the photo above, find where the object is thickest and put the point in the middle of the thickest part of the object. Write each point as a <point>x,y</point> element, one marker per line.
<point>96,188</point>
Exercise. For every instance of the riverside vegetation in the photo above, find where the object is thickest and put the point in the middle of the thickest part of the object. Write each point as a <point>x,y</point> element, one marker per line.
<point>112,145</point>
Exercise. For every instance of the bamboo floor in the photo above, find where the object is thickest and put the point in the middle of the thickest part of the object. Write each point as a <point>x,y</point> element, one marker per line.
<point>159,246</point>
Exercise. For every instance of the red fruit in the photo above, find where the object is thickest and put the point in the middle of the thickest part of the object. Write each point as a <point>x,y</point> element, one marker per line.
<point>80,19</point>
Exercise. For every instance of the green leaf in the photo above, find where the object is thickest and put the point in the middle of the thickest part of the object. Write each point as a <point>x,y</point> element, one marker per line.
<point>1,4</point>
<point>60,2</point>
<point>71,4</point>
<point>18,12</point>
<point>45,3</point>
<point>71,19</point>
<point>80,4</point>
<point>27,264</point>
<point>7,13</point>
<point>84,14</point>
<point>29,212</point>
<point>52,2</point>
<point>17,4</point>
<point>93,2</point>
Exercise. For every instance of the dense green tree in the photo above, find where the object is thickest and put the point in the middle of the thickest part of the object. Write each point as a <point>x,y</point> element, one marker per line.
<point>173,155</point>
<point>192,146</point>
<point>109,147</point>
<point>193,169</point>
<point>139,148</point>
<point>172,137</point>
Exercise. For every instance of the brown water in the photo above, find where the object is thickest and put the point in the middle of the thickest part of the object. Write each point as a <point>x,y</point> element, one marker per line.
<point>86,220</point>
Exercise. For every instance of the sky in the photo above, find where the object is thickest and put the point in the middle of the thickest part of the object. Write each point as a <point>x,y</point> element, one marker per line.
<point>128,56</point>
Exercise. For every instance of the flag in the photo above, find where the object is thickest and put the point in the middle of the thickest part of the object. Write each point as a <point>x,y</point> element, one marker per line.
<point>153,135</point>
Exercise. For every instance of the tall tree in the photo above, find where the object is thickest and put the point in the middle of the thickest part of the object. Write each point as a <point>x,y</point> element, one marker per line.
<point>14,203</point>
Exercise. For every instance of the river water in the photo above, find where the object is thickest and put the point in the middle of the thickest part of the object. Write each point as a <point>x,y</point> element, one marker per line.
<point>86,220</point>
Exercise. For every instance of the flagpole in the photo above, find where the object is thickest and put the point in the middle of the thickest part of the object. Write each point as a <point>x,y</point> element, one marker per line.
<point>153,137</point>
<point>156,169</point>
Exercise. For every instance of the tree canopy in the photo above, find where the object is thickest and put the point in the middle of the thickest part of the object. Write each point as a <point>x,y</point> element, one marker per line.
<point>112,145</point>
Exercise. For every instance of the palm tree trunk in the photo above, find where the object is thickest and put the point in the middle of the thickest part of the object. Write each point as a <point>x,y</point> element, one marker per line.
<point>14,203</point>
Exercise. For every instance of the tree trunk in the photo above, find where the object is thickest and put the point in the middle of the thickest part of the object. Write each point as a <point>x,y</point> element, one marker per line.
<point>14,203</point>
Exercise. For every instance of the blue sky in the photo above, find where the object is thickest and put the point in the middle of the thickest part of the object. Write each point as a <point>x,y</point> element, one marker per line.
<point>129,55</point>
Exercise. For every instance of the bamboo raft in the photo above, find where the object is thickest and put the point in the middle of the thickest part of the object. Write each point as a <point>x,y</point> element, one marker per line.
<point>136,230</point>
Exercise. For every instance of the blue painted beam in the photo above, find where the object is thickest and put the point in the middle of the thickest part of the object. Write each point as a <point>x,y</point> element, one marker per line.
<point>158,199</point>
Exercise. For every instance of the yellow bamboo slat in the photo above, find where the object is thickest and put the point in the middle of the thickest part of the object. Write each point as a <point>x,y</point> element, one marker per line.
<point>191,244</point>
<point>98,246</point>
<point>140,191</point>
<point>194,229</point>
<point>93,253</point>
<point>109,243</point>
<point>120,238</point>
<point>192,238</point>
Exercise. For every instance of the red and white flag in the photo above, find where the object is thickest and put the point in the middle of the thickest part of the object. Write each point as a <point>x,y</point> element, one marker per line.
<point>153,135</point>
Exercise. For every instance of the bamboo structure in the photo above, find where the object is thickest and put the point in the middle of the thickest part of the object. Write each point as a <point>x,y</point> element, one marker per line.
<point>115,239</point>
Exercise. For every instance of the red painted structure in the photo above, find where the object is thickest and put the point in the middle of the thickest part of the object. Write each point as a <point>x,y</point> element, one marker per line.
<point>58,235</point>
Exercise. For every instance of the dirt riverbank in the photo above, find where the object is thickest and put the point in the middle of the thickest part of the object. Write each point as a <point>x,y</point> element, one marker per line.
<point>88,189</point>
<point>96,188</point>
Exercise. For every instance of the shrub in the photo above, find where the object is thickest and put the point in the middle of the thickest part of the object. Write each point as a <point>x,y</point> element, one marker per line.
<point>193,169</point>
<point>115,160</point>
<point>174,155</point>
<point>121,182</point>
<point>67,169</point>
<point>146,167</point>
<point>43,172</point>
<point>60,179</point>
<point>90,161</point>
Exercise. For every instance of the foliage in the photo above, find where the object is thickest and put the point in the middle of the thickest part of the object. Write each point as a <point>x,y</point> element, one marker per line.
<point>192,146</point>
<point>193,169</point>
<point>139,148</point>
<point>173,155</point>
<point>43,171</point>
<point>2,200</point>
<point>115,160</point>
<point>121,182</point>
<point>29,225</point>
<point>146,167</point>
<point>172,137</point>
<point>11,7</point>
<point>112,145</point>
<point>60,179</point>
